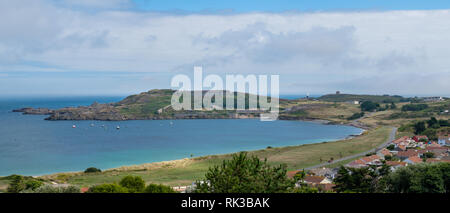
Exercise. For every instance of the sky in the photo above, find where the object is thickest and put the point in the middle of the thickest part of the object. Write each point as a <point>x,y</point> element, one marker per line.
<point>122,47</point>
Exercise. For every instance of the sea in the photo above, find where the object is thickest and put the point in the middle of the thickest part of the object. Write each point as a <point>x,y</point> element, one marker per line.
<point>30,145</point>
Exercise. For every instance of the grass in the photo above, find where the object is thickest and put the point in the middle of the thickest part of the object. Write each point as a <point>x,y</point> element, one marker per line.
<point>351,97</point>
<point>3,185</point>
<point>185,171</point>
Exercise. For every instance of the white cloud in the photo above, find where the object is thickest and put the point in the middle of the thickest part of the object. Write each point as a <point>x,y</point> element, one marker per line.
<point>95,4</point>
<point>336,50</point>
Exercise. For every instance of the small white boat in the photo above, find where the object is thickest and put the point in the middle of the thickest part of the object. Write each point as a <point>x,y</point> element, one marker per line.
<point>74,126</point>
<point>92,125</point>
<point>118,127</point>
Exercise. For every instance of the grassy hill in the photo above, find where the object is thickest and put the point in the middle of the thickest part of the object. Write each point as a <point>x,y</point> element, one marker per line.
<point>373,98</point>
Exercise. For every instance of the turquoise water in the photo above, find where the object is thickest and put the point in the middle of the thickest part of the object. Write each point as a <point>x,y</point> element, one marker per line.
<point>29,145</point>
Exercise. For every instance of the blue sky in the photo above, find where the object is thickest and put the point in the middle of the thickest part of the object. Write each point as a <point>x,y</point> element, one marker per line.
<point>121,47</point>
<point>284,5</point>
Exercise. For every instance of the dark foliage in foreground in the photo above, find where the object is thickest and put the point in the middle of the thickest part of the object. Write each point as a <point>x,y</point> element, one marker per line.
<point>420,178</point>
<point>20,183</point>
<point>245,174</point>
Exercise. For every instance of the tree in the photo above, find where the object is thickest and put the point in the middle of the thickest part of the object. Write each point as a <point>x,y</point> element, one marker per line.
<point>17,184</point>
<point>33,184</point>
<point>244,174</point>
<point>393,106</point>
<point>444,123</point>
<point>428,155</point>
<point>20,184</point>
<point>369,106</point>
<point>356,116</point>
<point>155,188</point>
<point>361,180</point>
<point>445,170</point>
<point>419,127</point>
<point>342,179</point>
<point>108,188</point>
<point>420,178</point>
<point>391,147</point>
<point>299,178</point>
<point>414,107</point>
<point>432,122</point>
<point>430,133</point>
<point>92,170</point>
<point>134,184</point>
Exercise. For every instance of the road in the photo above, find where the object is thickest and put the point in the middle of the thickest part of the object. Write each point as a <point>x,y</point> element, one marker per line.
<point>390,139</point>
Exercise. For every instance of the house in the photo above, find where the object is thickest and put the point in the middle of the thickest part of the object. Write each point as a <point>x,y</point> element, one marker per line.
<point>326,187</point>
<point>413,160</point>
<point>403,139</point>
<point>417,138</point>
<point>324,172</point>
<point>401,147</point>
<point>353,102</point>
<point>291,174</point>
<point>316,180</point>
<point>84,189</point>
<point>437,151</point>
<point>396,163</point>
<point>322,183</point>
<point>365,161</point>
<point>402,143</point>
<point>403,155</point>
<point>372,160</point>
<point>357,164</point>
<point>384,152</point>
<point>433,99</point>
<point>444,140</point>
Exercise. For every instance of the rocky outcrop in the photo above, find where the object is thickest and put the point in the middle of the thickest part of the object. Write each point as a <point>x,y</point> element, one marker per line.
<point>33,111</point>
<point>96,111</point>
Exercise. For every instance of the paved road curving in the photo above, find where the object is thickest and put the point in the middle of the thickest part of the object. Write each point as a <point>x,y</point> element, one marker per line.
<point>390,139</point>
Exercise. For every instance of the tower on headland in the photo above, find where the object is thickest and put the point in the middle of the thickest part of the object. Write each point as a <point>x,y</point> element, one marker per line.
<point>338,92</point>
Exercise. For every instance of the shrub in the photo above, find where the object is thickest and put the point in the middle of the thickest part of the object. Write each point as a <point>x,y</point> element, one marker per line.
<point>419,127</point>
<point>108,188</point>
<point>369,106</point>
<point>155,188</point>
<point>134,184</point>
<point>414,107</point>
<point>54,189</point>
<point>391,147</point>
<point>17,184</point>
<point>92,170</point>
<point>356,116</point>
<point>33,184</point>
